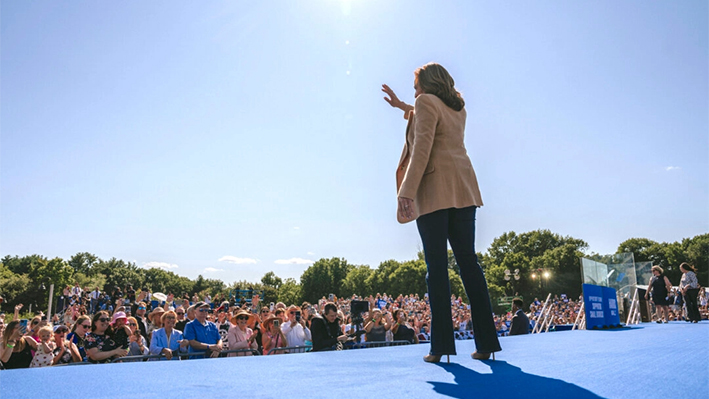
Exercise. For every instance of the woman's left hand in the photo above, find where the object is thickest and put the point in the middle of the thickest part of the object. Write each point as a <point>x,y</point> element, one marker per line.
<point>406,208</point>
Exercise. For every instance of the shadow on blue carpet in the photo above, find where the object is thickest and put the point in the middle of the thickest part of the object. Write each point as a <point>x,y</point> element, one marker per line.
<point>507,379</point>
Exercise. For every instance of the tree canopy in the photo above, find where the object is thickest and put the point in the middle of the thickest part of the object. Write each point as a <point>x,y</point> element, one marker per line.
<point>532,255</point>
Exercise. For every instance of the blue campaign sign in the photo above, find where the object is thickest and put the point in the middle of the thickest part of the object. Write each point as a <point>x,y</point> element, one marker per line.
<point>610,304</point>
<point>594,306</point>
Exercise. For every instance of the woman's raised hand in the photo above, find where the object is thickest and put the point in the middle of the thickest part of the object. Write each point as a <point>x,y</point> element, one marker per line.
<point>393,100</point>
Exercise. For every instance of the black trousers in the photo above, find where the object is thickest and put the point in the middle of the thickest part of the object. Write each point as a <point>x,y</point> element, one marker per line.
<point>456,226</point>
<point>690,299</point>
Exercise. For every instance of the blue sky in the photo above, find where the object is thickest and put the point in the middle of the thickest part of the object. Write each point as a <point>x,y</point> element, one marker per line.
<point>233,138</point>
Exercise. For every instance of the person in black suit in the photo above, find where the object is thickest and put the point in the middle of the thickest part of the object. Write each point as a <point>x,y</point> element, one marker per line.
<point>520,321</point>
<point>326,330</point>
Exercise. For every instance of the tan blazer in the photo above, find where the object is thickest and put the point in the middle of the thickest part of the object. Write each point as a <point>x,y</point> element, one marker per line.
<point>434,169</point>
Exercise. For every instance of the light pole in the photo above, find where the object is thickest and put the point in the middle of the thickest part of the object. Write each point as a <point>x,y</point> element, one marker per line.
<point>509,276</point>
<point>541,274</point>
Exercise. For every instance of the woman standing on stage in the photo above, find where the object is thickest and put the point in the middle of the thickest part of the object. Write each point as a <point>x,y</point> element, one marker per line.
<point>660,288</point>
<point>689,285</point>
<point>438,188</point>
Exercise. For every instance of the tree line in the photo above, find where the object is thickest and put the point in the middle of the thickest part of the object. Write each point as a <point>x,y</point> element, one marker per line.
<point>530,255</point>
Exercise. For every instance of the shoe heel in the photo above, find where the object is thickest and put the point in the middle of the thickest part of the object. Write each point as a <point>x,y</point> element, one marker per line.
<point>448,359</point>
<point>493,355</point>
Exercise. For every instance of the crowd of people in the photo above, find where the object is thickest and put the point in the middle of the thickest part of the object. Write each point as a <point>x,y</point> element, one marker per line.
<point>127,325</point>
<point>96,327</point>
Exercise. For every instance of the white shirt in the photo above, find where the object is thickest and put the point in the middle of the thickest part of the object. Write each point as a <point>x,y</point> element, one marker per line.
<point>297,335</point>
<point>95,294</point>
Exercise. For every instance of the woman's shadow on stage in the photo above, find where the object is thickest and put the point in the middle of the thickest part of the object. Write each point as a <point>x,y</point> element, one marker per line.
<point>505,381</point>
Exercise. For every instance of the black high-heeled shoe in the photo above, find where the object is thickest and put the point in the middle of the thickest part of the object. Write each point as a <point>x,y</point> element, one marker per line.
<point>435,358</point>
<point>482,356</point>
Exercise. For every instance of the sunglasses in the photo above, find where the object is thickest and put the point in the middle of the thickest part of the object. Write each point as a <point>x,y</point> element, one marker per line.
<point>133,324</point>
<point>35,322</point>
<point>292,312</point>
<point>86,326</point>
<point>204,310</point>
<point>265,311</point>
<point>141,308</point>
<point>61,331</point>
<point>242,318</point>
<point>104,319</point>
<point>180,313</point>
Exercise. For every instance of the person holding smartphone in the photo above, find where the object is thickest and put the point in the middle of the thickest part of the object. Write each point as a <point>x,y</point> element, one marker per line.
<point>273,336</point>
<point>16,348</point>
<point>294,328</point>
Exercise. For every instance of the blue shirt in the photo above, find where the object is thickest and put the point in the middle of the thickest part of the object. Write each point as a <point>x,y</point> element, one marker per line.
<point>159,341</point>
<point>207,333</point>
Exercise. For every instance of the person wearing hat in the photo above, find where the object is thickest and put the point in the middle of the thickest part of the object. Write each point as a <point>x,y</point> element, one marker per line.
<point>202,334</point>
<point>121,332</point>
<point>240,335</point>
<point>66,351</point>
<point>155,321</point>
<point>273,336</point>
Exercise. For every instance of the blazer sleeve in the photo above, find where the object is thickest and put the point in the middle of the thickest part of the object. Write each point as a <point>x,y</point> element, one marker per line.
<point>157,344</point>
<point>424,133</point>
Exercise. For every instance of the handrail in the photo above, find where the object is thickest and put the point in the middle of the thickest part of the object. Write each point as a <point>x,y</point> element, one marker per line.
<point>536,324</point>
<point>579,317</point>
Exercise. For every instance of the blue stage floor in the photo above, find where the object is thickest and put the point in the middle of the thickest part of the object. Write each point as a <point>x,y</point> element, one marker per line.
<point>646,361</point>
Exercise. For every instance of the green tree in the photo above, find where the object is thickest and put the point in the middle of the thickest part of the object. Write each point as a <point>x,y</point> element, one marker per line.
<point>697,252</point>
<point>324,277</point>
<point>408,278</point>
<point>14,288</point>
<point>83,262</point>
<point>529,252</point>
<point>271,280</point>
<point>356,282</point>
<point>290,292</point>
<point>380,279</point>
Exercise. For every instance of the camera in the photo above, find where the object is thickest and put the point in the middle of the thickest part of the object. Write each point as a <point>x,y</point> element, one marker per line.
<point>357,308</point>
<point>297,315</point>
<point>276,323</point>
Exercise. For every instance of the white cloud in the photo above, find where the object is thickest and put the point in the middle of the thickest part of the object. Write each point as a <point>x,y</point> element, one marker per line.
<point>296,228</point>
<point>160,265</point>
<point>294,261</point>
<point>212,270</point>
<point>311,253</point>
<point>237,261</point>
<point>669,168</point>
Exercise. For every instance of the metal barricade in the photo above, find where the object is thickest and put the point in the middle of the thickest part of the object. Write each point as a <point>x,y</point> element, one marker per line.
<point>181,355</point>
<point>290,349</point>
<point>379,344</point>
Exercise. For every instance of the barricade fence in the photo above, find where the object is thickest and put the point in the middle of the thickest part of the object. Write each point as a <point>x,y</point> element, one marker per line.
<point>244,352</point>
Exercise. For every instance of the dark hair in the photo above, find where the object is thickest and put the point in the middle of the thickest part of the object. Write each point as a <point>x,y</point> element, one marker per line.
<point>433,79</point>
<point>688,267</point>
<point>518,302</point>
<point>329,307</point>
<point>109,330</point>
